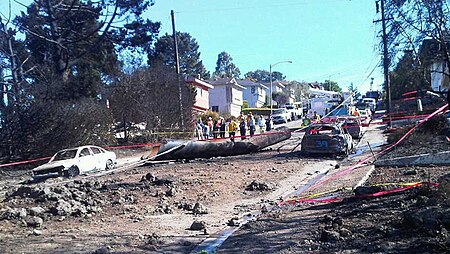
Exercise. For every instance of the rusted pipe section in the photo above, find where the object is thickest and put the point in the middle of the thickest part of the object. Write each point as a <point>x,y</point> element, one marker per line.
<point>206,149</point>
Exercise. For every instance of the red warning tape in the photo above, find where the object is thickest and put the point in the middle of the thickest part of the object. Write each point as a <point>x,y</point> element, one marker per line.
<point>47,158</point>
<point>247,136</point>
<point>384,151</point>
<point>132,146</point>
<point>372,195</point>
<point>409,93</point>
<point>23,162</point>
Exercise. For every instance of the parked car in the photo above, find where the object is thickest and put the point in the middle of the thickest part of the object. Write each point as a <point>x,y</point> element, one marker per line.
<point>326,139</point>
<point>365,117</point>
<point>281,115</point>
<point>371,103</point>
<point>353,126</point>
<point>329,119</point>
<point>74,161</point>
<point>294,110</point>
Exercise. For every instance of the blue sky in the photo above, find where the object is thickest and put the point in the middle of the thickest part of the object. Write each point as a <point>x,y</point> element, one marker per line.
<point>325,39</point>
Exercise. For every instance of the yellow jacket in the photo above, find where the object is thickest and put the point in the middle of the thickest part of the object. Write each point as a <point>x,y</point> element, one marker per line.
<point>233,127</point>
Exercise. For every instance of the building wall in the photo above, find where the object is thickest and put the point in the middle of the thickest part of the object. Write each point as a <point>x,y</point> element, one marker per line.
<point>255,95</point>
<point>226,99</point>
<point>237,101</point>
<point>218,99</point>
<point>439,81</point>
<point>202,97</point>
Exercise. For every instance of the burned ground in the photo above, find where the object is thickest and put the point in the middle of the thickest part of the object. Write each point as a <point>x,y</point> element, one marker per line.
<point>171,208</point>
<point>414,221</point>
<point>411,221</point>
<point>146,208</point>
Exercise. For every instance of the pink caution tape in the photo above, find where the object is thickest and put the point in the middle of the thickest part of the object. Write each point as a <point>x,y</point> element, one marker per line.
<point>23,162</point>
<point>247,136</point>
<point>382,152</point>
<point>132,146</point>
<point>47,158</point>
<point>372,195</point>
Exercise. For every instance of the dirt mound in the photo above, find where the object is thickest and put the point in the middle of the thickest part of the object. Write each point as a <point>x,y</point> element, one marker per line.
<point>78,199</point>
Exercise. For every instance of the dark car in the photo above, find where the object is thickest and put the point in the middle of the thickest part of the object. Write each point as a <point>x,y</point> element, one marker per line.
<point>326,139</point>
<point>352,125</point>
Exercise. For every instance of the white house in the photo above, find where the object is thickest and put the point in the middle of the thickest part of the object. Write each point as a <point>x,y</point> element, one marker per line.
<point>439,76</point>
<point>279,87</point>
<point>226,96</point>
<point>439,69</point>
<point>255,93</point>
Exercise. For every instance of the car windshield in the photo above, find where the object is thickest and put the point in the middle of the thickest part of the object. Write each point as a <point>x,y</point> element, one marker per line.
<point>326,130</point>
<point>65,155</point>
<point>279,111</point>
<point>340,112</point>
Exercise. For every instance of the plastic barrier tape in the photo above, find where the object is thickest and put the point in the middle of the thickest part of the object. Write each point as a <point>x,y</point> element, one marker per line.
<point>384,151</point>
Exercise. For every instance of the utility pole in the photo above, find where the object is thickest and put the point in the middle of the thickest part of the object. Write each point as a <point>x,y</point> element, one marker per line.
<point>177,61</point>
<point>174,35</point>
<point>371,84</point>
<point>385,59</point>
<point>271,82</point>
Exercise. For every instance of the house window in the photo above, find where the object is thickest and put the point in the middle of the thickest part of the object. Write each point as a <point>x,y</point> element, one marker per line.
<point>228,94</point>
<point>253,90</point>
<point>215,108</point>
<point>199,91</point>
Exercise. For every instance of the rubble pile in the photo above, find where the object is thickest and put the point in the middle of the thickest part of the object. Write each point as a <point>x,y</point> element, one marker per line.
<point>422,216</point>
<point>31,206</point>
<point>259,186</point>
<point>333,229</point>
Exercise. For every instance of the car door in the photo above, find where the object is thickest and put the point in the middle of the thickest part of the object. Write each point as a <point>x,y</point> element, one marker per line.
<point>349,139</point>
<point>86,160</point>
<point>100,157</point>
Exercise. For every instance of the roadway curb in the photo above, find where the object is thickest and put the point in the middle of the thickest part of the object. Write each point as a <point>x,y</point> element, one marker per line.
<point>438,159</point>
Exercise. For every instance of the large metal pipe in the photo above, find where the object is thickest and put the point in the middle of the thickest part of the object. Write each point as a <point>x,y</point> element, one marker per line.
<point>204,149</point>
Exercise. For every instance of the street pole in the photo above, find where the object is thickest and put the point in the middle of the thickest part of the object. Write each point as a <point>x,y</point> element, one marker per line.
<point>174,35</point>
<point>386,63</point>
<point>271,83</point>
<point>270,94</point>
<point>371,83</point>
<point>177,61</point>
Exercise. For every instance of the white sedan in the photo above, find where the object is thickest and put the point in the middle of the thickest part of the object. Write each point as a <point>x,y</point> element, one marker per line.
<point>74,161</point>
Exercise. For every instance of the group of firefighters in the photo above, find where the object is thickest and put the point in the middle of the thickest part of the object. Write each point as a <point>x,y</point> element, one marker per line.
<point>217,129</point>
<point>242,124</point>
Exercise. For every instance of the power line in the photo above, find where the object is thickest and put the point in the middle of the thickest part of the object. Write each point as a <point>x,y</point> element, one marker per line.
<point>263,6</point>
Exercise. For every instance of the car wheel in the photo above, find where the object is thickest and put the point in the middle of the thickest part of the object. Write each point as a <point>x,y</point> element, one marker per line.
<point>72,172</point>
<point>109,165</point>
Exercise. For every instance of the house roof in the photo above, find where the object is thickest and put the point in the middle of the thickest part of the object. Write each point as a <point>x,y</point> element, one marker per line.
<point>198,82</point>
<point>276,83</point>
<point>247,82</point>
<point>225,81</point>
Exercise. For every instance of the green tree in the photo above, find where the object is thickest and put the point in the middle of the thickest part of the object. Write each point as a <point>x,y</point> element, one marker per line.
<point>225,68</point>
<point>354,90</point>
<point>53,78</point>
<point>407,76</point>
<point>264,76</point>
<point>76,41</point>
<point>300,90</point>
<point>280,98</point>
<point>151,95</point>
<point>411,22</point>
<point>244,104</point>
<point>189,56</point>
<point>330,85</point>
